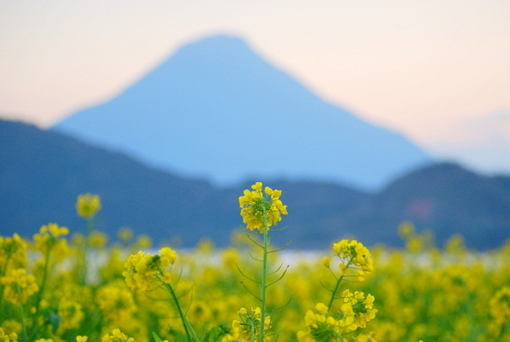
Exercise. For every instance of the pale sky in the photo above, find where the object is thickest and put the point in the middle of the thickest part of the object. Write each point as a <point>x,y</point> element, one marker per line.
<point>435,71</point>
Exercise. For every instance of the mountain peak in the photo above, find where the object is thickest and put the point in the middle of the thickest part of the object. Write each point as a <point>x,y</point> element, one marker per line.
<point>218,42</point>
<point>217,109</point>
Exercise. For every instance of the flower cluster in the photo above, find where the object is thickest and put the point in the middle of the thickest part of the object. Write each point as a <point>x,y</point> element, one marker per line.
<point>116,303</point>
<point>5,337</point>
<point>261,209</point>
<point>500,305</point>
<point>13,251</point>
<point>355,311</point>
<point>117,336</point>
<point>87,205</point>
<point>360,308</point>
<point>247,328</point>
<point>352,254</point>
<point>142,269</point>
<point>71,314</point>
<point>19,286</point>
<point>50,238</point>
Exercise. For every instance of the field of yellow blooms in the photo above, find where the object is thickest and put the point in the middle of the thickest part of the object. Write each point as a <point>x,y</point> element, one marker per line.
<point>78,286</point>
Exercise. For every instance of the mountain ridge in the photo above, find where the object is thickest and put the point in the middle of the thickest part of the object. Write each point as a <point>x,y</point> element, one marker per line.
<point>215,108</point>
<point>43,171</point>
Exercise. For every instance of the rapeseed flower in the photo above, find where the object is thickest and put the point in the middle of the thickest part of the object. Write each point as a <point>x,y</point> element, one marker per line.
<point>117,336</point>
<point>142,268</point>
<point>320,326</point>
<point>354,254</point>
<point>116,302</point>
<point>88,205</point>
<point>500,306</point>
<point>248,327</point>
<point>362,308</point>
<point>261,208</point>
<point>5,337</point>
<point>13,251</point>
<point>19,286</point>
<point>71,314</point>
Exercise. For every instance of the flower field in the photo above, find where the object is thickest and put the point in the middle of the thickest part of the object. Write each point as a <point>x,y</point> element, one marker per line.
<point>78,286</point>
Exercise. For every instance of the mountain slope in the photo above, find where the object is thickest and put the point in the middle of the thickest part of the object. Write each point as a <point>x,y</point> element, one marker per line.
<point>42,172</point>
<point>216,109</point>
<point>449,199</point>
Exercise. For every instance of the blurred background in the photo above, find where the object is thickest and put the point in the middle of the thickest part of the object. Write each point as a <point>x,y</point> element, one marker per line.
<point>418,92</point>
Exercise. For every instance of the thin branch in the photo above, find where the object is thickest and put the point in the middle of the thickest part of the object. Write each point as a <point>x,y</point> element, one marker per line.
<point>279,249</point>
<point>280,278</point>
<point>276,271</point>
<point>254,241</point>
<point>244,275</point>
<point>249,291</point>
<point>324,286</point>
<point>256,259</point>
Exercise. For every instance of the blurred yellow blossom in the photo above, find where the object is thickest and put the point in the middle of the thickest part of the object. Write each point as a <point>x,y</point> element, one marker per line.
<point>500,305</point>
<point>5,337</point>
<point>19,286</point>
<point>87,205</point>
<point>117,336</point>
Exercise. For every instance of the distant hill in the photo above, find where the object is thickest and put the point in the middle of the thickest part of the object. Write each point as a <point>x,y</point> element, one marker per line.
<point>42,172</point>
<point>216,109</point>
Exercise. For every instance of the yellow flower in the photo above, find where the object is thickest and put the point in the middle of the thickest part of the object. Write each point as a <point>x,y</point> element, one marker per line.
<point>88,205</point>
<point>320,327</point>
<point>142,268</point>
<point>261,209</point>
<point>13,250</point>
<point>116,302</point>
<point>143,242</point>
<point>362,308</point>
<point>125,234</point>
<point>98,239</point>
<point>50,238</point>
<point>230,258</point>
<point>366,338</point>
<point>406,229</point>
<point>5,337</point>
<point>168,256</point>
<point>500,305</point>
<point>53,230</point>
<point>117,336</point>
<point>19,286</point>
<point>247,328</point>
<point>354,251</point>
<point>81,338</point>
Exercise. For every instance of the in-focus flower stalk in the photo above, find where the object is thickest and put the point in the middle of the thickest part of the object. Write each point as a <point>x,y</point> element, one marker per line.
<point>261,209</point>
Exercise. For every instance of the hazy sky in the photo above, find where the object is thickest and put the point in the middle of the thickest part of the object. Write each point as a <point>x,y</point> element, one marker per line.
<point>436,71</point>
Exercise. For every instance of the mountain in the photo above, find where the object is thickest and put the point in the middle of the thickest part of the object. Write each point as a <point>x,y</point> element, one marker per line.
<point>42,172</point>
<point>448,199</point>
<point>216,109</point>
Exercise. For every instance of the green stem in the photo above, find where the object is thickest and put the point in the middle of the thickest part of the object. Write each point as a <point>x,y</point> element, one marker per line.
<point>44,279</point>
<point>90,227</point>
<point>263,281</point>
<point>42,288</point>
<point>501,333</point>
<point>190,333</point>
<point>2,287</point>
<point>23,320</point>
<point>333,295</point>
